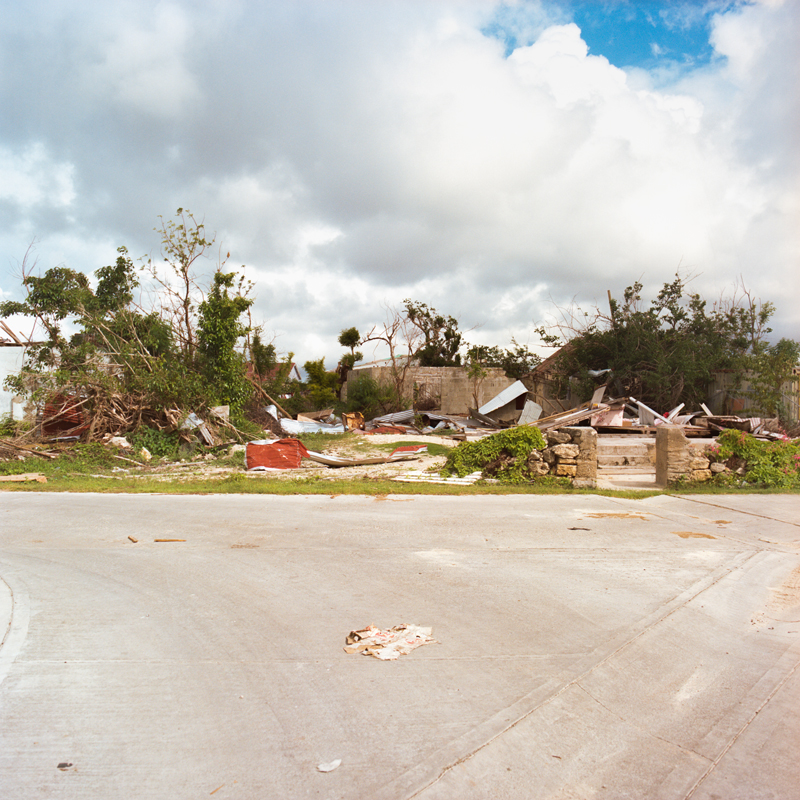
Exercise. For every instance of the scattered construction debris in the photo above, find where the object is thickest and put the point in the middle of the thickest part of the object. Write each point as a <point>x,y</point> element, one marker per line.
<point>288,453</point>
<point>567,451</point>
<point>388,645</point>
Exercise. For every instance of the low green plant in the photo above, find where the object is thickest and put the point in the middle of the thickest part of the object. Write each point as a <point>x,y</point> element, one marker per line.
<point>506,452</point>
<point>773,464</point>
<point>159,443</point>
<point>8,425</point>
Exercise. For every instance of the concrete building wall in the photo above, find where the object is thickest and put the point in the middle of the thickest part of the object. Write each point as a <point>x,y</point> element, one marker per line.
<point>11,358</point>
<point>447,389</point>
<point>723,398</point>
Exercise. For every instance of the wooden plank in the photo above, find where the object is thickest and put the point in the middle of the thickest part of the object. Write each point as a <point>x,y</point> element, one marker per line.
<point>28,476</point>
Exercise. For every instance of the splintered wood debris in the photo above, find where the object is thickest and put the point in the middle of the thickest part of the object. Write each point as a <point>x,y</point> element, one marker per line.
<point>387,645</point>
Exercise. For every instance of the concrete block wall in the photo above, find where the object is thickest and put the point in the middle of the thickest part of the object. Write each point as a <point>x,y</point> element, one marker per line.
<point>449,386</point>
<point>676,459</point>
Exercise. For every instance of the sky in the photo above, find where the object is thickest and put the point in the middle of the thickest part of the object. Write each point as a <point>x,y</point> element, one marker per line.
<point>496,160</point>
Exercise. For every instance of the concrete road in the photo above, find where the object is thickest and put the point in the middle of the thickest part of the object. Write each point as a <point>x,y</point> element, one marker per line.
<point>588,647</point>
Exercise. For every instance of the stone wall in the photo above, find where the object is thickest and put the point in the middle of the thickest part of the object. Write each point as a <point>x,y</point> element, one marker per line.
<point>447,389</point>
<point>676,459</point>
<point>570,453</point>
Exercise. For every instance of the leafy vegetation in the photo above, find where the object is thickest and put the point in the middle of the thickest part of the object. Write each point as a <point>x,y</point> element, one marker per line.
<point>371,398</point>
<point>124,365</point>
<point>505,454</point>
<point>666,353</point>
<point>517,360</point>
<point>774,464</point>
<point>770,369</point>
<point>440,338</point>
<point>323,386</point>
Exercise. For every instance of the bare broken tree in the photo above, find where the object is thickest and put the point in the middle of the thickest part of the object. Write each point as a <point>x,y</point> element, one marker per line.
<point>398,333</point>
<point>183,242</point>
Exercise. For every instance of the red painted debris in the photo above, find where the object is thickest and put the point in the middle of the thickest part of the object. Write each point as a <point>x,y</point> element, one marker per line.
<point>411,448</point>
<point>283,454</point>
<point>64,416</point>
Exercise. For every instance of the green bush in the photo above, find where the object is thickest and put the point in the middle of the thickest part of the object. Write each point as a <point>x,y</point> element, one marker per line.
<point>774,464</point>
<point>158,443</point>
<point>371,398</point>
<point>506,452</point>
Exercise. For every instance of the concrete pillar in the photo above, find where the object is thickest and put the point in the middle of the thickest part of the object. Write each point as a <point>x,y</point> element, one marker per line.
<point>673,456</point>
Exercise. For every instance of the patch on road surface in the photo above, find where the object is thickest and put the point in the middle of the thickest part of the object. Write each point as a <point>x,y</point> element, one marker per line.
<point>616,515</point>
<point>787,595</point>
<point>692,535</point>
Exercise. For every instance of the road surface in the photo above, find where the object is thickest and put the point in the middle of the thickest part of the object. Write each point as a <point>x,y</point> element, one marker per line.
<point>587,647</point>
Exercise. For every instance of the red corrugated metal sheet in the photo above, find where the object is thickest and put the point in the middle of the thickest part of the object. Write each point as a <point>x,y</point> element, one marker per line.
<point>63,416</point>
<point>283,454</point>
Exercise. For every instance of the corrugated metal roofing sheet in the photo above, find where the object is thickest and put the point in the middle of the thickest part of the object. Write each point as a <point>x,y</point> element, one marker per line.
<point>504,398</point>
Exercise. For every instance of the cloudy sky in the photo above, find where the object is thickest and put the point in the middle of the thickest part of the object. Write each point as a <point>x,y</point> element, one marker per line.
<point>492,159</point>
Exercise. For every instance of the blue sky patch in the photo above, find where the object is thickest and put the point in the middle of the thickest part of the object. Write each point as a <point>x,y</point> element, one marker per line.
<point>629,33</point>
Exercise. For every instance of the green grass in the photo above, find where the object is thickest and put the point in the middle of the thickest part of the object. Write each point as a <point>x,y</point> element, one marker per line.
<point>718,488</point>
<point>238,483</point>
<point>321,442</point>
<point>61,480</point>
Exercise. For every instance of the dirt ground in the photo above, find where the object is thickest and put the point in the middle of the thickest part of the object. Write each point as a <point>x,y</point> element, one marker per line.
<point>210,467</point>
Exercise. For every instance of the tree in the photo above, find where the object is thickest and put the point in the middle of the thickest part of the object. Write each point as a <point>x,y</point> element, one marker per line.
<point>262,356</point>
<point>323,386</point>
<point>399,334</point>
<point>516,361</point>
<point>183,242</point>
<point>351,338</point>
<point>218,331</point>
<point>664,353</point>
<point>127,365</point>
<point>441,339</point>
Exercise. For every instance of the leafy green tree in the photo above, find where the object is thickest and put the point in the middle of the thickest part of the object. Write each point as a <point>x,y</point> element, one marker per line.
<point>351,338</point>
<point>516,361</point>
<point>262,356</point>
<point>218,331</point>
<point>664,353</point>
<point>441,338</point>
<point>125,365</point>
<point>371,398</point>
<point>323,386</point>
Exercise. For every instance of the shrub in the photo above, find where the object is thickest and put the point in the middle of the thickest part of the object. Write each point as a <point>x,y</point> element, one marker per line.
<point>505,452</point>
<point>371,398</point>
<point>773,464</point>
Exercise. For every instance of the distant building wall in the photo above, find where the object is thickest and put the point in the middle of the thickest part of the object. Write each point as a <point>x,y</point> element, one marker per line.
<point>447,389</point>
<point>725,398</point>
<point>11,358</point>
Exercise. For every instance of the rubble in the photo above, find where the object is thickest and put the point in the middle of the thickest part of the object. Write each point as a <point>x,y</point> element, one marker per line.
<point>388,645</point>
<point>570,435</point>
<point>288,454</point>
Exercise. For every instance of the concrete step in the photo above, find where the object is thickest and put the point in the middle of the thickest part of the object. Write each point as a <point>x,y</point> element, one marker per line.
<point>626,455</point>
<point>624,460</point>
<point>634,470</point>
<point>624,447</point>
<point>642,482</point>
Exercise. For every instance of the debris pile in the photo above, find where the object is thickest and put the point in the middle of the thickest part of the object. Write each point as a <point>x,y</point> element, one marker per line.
<point>388,645</point>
